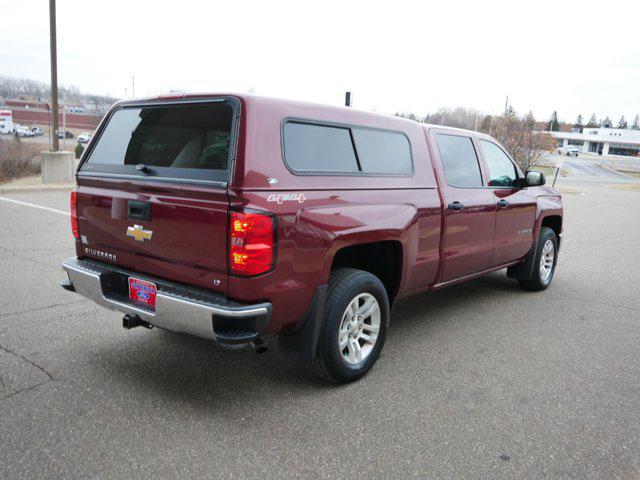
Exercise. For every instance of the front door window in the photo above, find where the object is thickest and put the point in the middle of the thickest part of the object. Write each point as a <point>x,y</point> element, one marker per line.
<point>502,172</point>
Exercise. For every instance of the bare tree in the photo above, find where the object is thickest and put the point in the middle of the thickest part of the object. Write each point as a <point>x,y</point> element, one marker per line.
<point>517,134</point>
<point>457,117</point>
<point>519,137</point>
<point>14,88</point>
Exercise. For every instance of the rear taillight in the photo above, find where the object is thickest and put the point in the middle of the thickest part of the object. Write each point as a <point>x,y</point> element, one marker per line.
<point>74,214</point>
<point>252,243</point>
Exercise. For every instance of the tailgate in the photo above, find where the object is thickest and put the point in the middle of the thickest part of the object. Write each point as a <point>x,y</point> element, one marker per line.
<point>152,191</point>
<point>184,239</point>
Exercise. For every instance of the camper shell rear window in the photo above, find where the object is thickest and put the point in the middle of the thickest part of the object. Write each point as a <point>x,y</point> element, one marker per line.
<point>192,141</point>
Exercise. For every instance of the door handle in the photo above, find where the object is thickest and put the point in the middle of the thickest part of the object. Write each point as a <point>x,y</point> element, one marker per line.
<point>503,203</point>
<point>455,206</point>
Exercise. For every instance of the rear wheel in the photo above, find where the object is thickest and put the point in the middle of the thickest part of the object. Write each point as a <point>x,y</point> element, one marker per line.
<point>545,263</point>
<point>354,327</point>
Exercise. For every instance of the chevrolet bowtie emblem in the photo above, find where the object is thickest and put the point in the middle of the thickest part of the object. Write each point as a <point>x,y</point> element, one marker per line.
<point>139,233</point>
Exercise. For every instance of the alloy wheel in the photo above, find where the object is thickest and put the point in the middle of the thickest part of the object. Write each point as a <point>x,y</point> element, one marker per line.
<point>359,329</point>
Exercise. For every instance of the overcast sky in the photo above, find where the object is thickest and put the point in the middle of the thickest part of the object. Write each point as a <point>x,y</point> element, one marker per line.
<point>570,56</point>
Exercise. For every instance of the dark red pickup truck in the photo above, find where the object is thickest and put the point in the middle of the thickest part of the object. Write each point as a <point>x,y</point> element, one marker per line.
<point>235,218</point>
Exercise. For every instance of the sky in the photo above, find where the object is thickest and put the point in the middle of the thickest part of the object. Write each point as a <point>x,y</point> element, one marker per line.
<point>576,57</point>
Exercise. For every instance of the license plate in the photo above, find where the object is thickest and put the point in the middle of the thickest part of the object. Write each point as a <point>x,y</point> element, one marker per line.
<point>141,291</point>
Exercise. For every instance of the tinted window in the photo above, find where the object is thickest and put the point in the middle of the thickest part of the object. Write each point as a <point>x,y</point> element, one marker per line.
<point>382,152</point>
<point>502,172</point>
<point>170,140</point>
<point>459,160</point>
<point>319,148</point>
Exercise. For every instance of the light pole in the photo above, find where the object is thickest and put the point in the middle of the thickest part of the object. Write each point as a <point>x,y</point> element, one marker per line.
<point>54,72</point>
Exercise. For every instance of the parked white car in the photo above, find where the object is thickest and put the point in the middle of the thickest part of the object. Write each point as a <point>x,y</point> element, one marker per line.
<point>22,131</point>
<point>569,151</point>
<point>84,137</point>
<point>36,130</point>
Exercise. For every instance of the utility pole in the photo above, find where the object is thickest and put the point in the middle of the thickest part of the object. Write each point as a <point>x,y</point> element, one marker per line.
<point>347,99</point>
<point>133,86</point>
<point>54,72</point>
<point>506,104</point>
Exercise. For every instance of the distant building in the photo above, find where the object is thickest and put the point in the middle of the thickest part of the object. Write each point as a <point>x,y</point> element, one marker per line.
<point>602,141</point>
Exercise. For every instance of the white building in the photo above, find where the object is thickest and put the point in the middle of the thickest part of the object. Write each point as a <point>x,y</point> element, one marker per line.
<point>602,141</point>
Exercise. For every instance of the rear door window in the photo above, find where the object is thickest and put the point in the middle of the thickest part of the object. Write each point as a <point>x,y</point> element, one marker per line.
<point>317,148</point>
<point>460,162</point>
<point>175,141</point>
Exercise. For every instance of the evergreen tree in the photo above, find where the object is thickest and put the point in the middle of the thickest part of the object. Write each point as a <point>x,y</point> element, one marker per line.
<point>529,120</point>
<point>636,123</point>
<point>578,123</point>
<point>622,123</point>
<point>593,121</point>
<point>78,150</point>
<point>485,126</point>
<point>606,123</point>
<point>552,124</point>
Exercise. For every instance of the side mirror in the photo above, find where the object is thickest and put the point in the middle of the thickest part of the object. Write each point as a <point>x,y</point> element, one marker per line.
<point>535,178</point>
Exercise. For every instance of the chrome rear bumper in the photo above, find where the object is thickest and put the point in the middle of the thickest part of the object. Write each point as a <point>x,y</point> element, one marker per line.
<point>178,308</point>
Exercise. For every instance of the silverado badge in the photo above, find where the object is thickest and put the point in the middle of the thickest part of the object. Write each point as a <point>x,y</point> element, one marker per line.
<point>139,233</point>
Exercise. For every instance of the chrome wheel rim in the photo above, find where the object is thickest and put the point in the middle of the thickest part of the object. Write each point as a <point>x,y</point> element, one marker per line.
<point>359,329</point>
<point>546,260</point>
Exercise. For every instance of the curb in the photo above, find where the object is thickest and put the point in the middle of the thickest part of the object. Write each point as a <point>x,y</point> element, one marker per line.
<point>35,188</point>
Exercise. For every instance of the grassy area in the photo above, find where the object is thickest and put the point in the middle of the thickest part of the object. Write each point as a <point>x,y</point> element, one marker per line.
<point>627,186</point>
<point>18,159</point>
<point>632,174</point>
<point>550,172</point>
<point>565,189</point>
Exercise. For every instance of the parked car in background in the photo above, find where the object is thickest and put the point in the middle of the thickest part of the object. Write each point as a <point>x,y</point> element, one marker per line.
<point>84,137</point>
<point>569,151</point>
<point>66,134</point>
<point>36,130</point>
<point>76,110</point>
<point>236,218</point>
<point>22,131</point>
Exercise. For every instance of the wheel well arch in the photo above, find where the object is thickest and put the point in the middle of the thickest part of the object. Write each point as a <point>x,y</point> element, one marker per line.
<point>554,222</point>
<point>382,259</point>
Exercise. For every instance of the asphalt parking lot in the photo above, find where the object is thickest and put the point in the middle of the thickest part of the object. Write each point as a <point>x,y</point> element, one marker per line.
<point>480,380</point>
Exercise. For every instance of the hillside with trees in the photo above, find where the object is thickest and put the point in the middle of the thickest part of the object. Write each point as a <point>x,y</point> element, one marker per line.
<point>23,88</point>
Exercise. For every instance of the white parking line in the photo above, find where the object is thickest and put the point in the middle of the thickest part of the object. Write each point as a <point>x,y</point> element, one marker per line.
<point>33,205</point>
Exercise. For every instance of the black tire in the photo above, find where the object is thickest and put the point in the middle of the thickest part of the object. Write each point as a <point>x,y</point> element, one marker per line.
<point>536,281</point>
<point>344,286</point>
